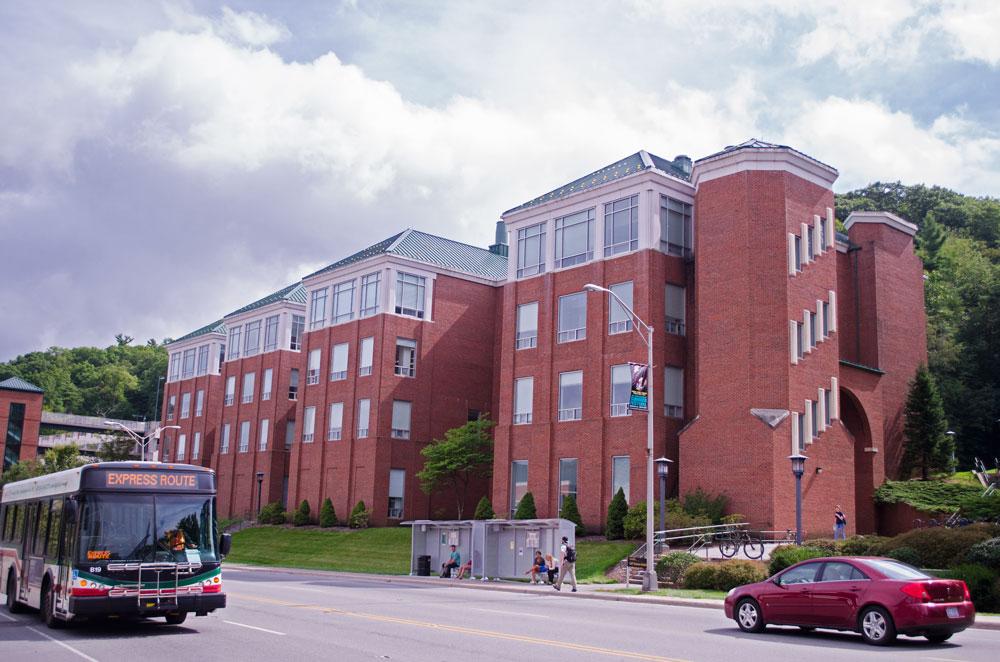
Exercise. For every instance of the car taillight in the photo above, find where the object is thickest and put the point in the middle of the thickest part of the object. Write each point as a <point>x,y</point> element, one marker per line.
<point>917,591</point>
<point>965,589</point>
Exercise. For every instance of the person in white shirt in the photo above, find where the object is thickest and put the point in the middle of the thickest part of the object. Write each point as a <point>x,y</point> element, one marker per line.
<point>567,565</point>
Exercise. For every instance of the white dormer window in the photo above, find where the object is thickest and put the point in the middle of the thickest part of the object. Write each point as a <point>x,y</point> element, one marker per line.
<point>621,226</point>
<point>369,294</point>
<point>175,366</point>
<point>675,226</point>
<point>234,342</point>
<point>343,302</point>
<point>575,238</point>
<point>203,360</point>
<point>188,364</point>
<point>410,294</point>
<point>253,338</point>
<point>271,333</point>
<point>531,250</point>
<point>317,308</point>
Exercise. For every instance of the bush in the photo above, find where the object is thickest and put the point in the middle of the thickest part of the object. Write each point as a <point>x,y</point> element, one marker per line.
<point>617,510</point>
<point>327,515</point>
<point>982,583</point>
<point>634,524</point>
<point>272,513</point>
<point>829,545</point>
<point>701,504</point>
<point>864,546</point>
<point>526,507</point>
<point>572,513</point>
<point>735,518</point>
<point>484,510</point>
<point>701,575</point>
<point>976,506</point>
<point>906,555</point>
<point>929,496</point>
<point>986,553</point>
<point>939,547</point>
<point>738,572</point>
<point>301,517</point>
<point>671,566</point>
<point>360,516</point>
<point>787,555</point>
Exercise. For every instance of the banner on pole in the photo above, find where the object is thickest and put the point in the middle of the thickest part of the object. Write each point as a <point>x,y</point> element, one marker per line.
<point>639,398</point>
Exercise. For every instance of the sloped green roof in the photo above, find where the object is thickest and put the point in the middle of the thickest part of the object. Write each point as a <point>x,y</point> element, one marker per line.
<point>295,293</point>
<point>365,253</point>
<point>215,327</point>
<point>18,384</point>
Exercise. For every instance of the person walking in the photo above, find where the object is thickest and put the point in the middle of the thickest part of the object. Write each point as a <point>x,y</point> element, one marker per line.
<point>839,524</point>
<point>567,565</point>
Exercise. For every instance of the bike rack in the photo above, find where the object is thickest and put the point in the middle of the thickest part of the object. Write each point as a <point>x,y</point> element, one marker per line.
<point>168,587</point>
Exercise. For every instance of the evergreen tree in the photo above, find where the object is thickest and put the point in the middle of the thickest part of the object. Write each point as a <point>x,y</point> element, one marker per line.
<point>930,239</point>
<point>327,515</point>
<point>526,507</point>
<point>927,447</point>
<point>484,510</point>
<point>617,510</point>
<point>301,517</point>
<point>359,516</point>
<point>570,512</point>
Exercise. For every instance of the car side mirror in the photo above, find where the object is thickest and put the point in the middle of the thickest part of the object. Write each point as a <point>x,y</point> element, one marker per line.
<point>225,544</point>
<point>777,582</point>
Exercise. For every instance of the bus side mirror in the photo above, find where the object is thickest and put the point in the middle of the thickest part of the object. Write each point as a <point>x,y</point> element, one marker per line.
<point>225,544</point>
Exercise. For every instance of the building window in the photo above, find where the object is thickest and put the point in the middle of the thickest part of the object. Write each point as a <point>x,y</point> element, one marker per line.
<point>531,250</point>
<point>271,333</point>
<point>813,331</point>
<point>203,360</point>
<point>367,351</point>
<point>800,341</point>
<point>621,226</point>
<point>265,387</point>
<point>343,302</point>
<point>369,294</point>
<point>673,392</point>
<point>406,357</point>
<point>244,436</point>
<point>410,294</point>
<point>188,363</point>
<point>527,325</point>
<point>317,308</point>
<point>335,425</point>
<point>822,234</point>
<point>298,328</point>
<point>293,384</point>
<point>252,339</point>
<point>620,475</point>
<point>571,395</point>
<point>230,390</point>
<point>289,434</point>
<point>575,238</point>
<point>248,381</point>
<point>798,253</point>
<point>234,342</point>
<point>185,405</point>
<point>175,366</point>
<point>826,407</point>
<point>401,419</point>
<point>199,403</point>
<point>809,244</point>
<point>572,317</point>
<point>826,319</point>
<point>814,406</point>
<point>338,362</point>
<point>222,354</point>
<point>265,425</point>
<point>196,446</point>
<point>524,393</point>
<point>397,480</point>
<point>364,410</point>
<point>181,446</point>
<point>312,372</point>
<point>675,308</point>
<point>308,425</point>
<point>801,419</point>
<point>619,320</point>
<point>567,481</point>
<point>166,449</point>
<point>621,389</point>
<point>518,483</point>
<point>171,406</point>
<point>224,446</point>
<point>675,226</point>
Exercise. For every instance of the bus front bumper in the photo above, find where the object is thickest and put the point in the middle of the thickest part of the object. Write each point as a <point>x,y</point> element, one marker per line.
<point>103,605</point>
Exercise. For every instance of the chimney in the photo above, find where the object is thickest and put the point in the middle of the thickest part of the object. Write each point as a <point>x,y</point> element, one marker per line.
<point>500,247</point>
<point>683,161</point>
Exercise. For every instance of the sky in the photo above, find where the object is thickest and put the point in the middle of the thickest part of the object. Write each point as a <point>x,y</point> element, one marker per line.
<point>164,163</point>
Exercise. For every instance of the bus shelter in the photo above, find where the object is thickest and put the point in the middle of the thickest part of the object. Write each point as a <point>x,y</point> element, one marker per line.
<point>498,548</point>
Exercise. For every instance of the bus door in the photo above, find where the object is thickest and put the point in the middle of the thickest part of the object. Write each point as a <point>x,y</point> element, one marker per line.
<point>27,547</point>
<point>64,548</point>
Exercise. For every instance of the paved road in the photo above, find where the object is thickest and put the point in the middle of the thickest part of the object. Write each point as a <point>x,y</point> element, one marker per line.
<point>289,616</point>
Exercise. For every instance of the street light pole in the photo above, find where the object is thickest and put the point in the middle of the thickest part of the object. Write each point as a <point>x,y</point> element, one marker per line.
<point>662,469</point>
<point>798,468</point>
<point>260,482</point>
<point>142,441</point>
<point>649,582</point>
<point>156,400</point>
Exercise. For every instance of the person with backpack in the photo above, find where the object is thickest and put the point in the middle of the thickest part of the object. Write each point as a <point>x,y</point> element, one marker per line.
<point>839,524</point>
<point>567,565</point>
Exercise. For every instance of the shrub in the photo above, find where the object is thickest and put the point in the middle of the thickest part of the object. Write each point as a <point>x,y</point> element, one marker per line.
<point>671,566</point>
<point>986,553</point>
<point>327,515</point>
<point>735,518</point>
<point>634,524</point>
<point>701,575</point>
<point>976,506</point>
<point>906,555</point>
<point>484,510</point>
<point>864,546</point>
<point>526,507</point>
<point>929,496</point>
<point>738,572</point>
<point>701,504</point>
<point>982,583</point>
<point>301,517</point>
<point>786,555</point>
<point>272,513</point>
<point>617,510</point>
<point>939,547</point>
<point>829,545</point>
<point>572,513</point>
<point>359,516</point>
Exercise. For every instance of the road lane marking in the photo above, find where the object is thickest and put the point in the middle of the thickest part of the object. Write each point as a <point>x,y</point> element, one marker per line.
<point>461,630</point>
<point>254,627</point>
<point>9,618</point>
<point>508,613</point>
<point>63,644</point>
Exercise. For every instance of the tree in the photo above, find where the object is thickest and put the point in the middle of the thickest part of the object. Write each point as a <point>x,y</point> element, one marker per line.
<point>617,510</point>
<point>930,240</point>
<point>57,458</point>
<point>484,510</point>
<point>570,512</point>
<point>526,507</point>
<point>455,462</point>
<point>927,447</point>
<point>301,517</point>
<point>117,449</point>
<point>360,516</point>
<point>327,515</point>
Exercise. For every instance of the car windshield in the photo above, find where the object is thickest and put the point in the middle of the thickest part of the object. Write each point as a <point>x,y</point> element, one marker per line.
<point>119,527</point>
<point>896,570</point>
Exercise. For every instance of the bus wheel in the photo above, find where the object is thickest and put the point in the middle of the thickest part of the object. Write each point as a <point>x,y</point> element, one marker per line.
<point>176,618</point>
<point>49,610</point>
<point>13,606</point>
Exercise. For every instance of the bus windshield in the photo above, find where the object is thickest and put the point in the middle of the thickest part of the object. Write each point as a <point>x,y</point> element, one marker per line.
<point>162,528</point>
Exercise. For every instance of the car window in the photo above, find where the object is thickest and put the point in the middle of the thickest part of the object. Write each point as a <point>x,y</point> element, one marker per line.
<point>841,572</point>
<point>896,570</point>
<point>803,574</point>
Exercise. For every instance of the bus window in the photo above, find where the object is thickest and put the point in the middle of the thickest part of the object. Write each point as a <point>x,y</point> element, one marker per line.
<point>14,522</point>
<point>42,530</point>
<point>55,520</point>
<point>3,522</point>
<point>116,527</point>
<point>185,527</point>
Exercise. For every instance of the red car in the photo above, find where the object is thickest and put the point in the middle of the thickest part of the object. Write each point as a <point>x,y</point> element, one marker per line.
<point>877,597</point>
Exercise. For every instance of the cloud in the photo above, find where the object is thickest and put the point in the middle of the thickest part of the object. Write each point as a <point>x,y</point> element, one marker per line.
<point>973,27</point>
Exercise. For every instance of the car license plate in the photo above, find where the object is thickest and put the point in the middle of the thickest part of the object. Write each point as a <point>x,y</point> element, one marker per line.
<point>952,612</point>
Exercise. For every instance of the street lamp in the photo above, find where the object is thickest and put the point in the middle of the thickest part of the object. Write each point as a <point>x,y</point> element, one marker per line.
<point>798,468</point>
<point>662,469</point>
<point>156,400</point>
<point>142,441</point>
<point>260,482</point>
<point>649,579</point>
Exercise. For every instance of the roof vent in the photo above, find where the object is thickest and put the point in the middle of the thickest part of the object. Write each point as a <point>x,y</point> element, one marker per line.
<point>683,161</point>
<point>500,246</point>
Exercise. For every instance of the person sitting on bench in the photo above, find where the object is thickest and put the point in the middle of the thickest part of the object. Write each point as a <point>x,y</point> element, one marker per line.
<point>454,561</point>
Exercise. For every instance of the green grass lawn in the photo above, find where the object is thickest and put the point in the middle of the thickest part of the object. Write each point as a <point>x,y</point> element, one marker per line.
<point>676,593</point>
<point>596,557</point>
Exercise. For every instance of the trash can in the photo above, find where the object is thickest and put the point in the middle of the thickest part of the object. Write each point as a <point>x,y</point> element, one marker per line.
<point>424,566</point>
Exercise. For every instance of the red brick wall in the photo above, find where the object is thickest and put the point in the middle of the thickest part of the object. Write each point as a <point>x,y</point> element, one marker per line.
<point>32,420</point>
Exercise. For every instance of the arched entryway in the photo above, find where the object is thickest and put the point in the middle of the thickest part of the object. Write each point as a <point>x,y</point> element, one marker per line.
<point>852,415</point>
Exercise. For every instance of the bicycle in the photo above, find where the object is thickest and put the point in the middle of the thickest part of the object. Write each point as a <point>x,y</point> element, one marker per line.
<point>730,543</point>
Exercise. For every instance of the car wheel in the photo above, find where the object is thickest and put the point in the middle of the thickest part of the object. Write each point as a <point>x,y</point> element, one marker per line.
<point>877,627</point>
<point>176,618</point>
<point>939,638</point>
<point>49,610</point>
<point>13,606</point>
<point>748,616</point>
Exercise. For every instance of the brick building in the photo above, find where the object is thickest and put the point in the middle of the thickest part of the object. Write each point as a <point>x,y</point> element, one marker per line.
<point>20,420</point>
<point>774,333</point>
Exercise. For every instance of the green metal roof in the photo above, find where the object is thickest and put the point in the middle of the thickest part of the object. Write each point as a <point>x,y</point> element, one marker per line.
<point>214,327</point>
<point>295,293</point>
<point>755,143</point>
<point>365,253</point>
<point>18,384</point>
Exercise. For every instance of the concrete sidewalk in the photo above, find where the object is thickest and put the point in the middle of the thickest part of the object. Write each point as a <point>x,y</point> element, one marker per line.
<point>585,591</point>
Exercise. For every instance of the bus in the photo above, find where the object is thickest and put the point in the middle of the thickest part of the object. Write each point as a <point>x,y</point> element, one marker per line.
<point>113,539</point>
